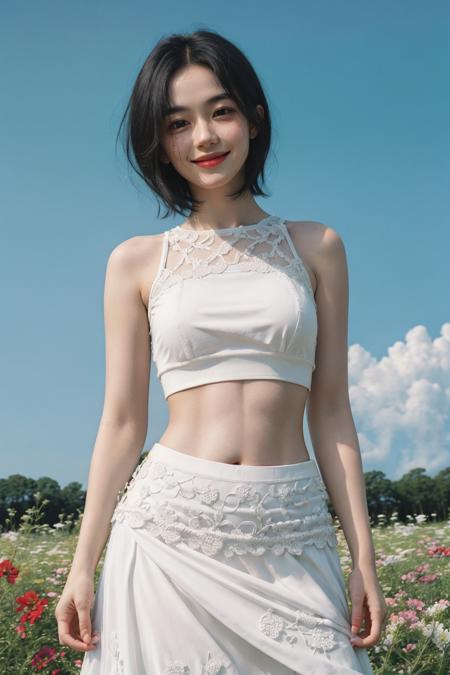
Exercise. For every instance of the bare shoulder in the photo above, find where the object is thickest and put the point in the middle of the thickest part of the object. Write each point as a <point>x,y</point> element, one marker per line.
<point>139,257</point>
<point>317,244</point>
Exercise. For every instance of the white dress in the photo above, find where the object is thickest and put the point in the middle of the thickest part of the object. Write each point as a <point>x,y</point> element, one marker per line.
<point>213,568</point>
<point>220,569</point>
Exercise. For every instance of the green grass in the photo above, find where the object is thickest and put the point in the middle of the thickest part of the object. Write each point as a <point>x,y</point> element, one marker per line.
<point>415,640</point>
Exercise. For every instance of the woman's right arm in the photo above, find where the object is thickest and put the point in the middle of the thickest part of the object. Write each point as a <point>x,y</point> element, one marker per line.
<point>123,424</point>
<point>122,430</point>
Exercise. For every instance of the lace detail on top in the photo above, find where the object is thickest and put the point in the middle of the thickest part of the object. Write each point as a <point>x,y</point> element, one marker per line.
<point>307,625</point>
<point>177,507</point>
<point>210,667</point>
<point>232,304</point>
<point>263,247</point>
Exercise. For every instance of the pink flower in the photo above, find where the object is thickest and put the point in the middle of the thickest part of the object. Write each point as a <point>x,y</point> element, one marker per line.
<point>409,647</point>
<point>415,603</point>
<point>428,578</point>
<point>409,576</point>
<point>21,631</point>
<point>407,616</point>
<point>390,601</point>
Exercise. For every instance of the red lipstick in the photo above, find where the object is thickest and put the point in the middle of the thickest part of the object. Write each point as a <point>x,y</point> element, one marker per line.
<point>212,162</point>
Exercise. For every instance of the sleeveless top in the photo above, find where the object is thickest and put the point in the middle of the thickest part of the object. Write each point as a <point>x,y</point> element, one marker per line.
<point>232,304</point>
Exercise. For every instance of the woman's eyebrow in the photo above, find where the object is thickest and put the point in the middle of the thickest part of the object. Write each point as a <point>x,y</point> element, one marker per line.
<point>181,108</point>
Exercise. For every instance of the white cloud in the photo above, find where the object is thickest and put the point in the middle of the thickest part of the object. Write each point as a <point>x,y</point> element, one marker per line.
<point>401,403</point>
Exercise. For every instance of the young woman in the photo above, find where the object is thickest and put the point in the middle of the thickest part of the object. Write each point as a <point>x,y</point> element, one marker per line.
<point>222,554</point>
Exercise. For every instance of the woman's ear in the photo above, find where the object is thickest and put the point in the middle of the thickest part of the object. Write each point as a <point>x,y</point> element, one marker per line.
<point>253,129</point>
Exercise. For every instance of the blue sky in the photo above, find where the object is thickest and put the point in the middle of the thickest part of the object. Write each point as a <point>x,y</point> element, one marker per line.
<point>360,103</point>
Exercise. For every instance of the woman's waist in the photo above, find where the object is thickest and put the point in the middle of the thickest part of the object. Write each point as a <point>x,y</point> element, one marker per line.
<point>217,443</point>
<point>209,492</point>
<point>181,498</point>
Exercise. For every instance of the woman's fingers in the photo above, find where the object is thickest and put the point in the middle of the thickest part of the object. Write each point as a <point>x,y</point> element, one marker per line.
<point>65,637</point>
<point>84,620</point>
<point>372,630</point>
<point>357,613</point>
<point>367,624</point>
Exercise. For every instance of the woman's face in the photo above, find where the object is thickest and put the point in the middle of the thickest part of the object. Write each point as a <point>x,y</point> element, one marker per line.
<point>204,128</point>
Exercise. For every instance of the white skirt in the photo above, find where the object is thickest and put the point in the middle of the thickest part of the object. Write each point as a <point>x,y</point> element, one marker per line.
<point>221,569</point>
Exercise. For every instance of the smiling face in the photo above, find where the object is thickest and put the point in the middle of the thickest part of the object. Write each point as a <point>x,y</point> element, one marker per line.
<point>205,127</point>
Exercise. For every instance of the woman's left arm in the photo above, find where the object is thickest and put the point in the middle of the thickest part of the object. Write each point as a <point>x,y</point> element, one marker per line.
<point>334,436</point>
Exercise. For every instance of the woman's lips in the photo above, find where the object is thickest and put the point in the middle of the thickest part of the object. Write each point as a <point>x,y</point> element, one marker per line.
<point>212,162</point>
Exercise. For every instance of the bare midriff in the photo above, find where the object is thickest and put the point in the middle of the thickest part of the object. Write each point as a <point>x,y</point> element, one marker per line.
<point>251,422</point>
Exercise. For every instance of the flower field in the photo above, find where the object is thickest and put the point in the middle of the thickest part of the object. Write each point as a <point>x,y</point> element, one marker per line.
<point>413,568</point>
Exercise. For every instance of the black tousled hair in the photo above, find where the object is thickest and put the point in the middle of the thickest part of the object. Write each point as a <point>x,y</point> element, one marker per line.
<point>149,101</point>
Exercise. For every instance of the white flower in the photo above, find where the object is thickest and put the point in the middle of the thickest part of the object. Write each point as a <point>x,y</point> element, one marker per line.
<point>427,629</point>
<point>421,518</point>
<point>441,638</point>
<point>170,535</point>
<point>211,543</point>
<point>156,470</point>
<point>437,607</point>
<point>12,536</point>
<point>271,624</point>
<point>212,667</point>
<point>177,668</point>
<point>136,519</point>
<point>209,496</point>
<point>322,638</point>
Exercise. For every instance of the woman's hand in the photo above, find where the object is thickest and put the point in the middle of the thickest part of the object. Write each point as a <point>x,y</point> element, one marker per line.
<point>368,603</point>
<point>73,613</point>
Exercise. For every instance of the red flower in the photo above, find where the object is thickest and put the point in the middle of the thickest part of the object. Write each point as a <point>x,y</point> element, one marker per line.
<point>31,599</point>
<point>28,599</point>
<point>443,551</point>
<point>8,569</point>
<point>43,657</point>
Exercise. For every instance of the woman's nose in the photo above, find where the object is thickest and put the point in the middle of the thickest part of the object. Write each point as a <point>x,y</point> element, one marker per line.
<point>203,132</point>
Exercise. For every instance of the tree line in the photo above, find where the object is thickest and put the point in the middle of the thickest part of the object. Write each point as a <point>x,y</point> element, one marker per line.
<point>413,494</point>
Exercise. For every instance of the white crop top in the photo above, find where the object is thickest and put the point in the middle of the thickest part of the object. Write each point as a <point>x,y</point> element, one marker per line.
<point>232,304</point>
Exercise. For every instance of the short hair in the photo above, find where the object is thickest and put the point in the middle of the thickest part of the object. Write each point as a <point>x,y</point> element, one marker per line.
<point>149,102</point>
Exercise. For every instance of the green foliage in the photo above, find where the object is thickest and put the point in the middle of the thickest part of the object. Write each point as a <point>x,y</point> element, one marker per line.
<point>17,496</point>
<point>415,492</point>
<point>412,565</point>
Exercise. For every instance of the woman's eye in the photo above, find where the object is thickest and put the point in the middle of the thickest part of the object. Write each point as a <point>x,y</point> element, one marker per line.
<point>229,109</point>
<point>172,125</point>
